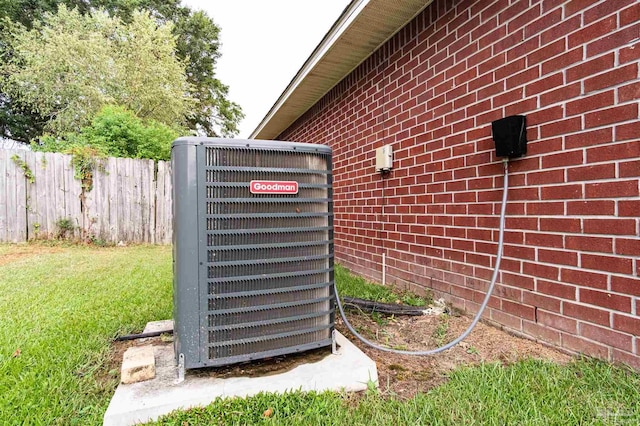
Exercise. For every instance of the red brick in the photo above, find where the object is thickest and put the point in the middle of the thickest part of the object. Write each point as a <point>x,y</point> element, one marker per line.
<point>629,54</point>
<point>541,271</point>
<point>558,257</point>
<point>610,226</point>
<point>606,336</point>
<point>570,91</point>
<point>625,285</point>
<point>622,151</point>
<point>611,115</point>
<point>562,159</point>
<point>629,246</point>
<point>560,62</point>
<point>630,15</point>
<point>546,177</point>
<point>629,208</point>
<point>606,300</point>
<point>620,265</point>
<point>591,208</point>
<point>584,278</point>
<point>541,332</point>
<point>541,301</point>
<point>566,26</point>
<point>613,40</point>
<point>557,321</point>
<point>561,127</point>
<point>629,92</point>
<point>511,321</point>
<point>586,313</point>
<point>591,32</point>
<point>545,84</point>
<point>589,138</point>
<point>561,192</point>
<point>626,323</point>
<point>560,224</point>
<point>612,78</point>
<point>626,358</point>
<point>545,208</point>
<point>589,244</point>
<point>603,9</point>
<point>576,6</point>
<point>596,172</point>
<point>628,131</point>
<point>556,289</point>
<point>547,20</point>
<point>589,103</point>
<point>581,345</point>
<point>591,67</point>
<point>625,188</point>
<point>518,309</point>
<point>546,52</point>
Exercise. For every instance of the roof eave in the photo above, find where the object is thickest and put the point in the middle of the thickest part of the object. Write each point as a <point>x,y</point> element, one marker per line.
<point>361,29</point>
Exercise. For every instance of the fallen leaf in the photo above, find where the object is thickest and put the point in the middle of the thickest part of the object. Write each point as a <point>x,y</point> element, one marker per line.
<point>267,413</point>
<point>17,353</point>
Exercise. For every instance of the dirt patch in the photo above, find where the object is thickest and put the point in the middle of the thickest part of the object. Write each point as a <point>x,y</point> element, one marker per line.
<point>405,375</point>
<point>399,375</point>
<point>23,251</point>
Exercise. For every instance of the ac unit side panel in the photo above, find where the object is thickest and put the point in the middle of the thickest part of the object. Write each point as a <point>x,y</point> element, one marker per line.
<point>185,254</point>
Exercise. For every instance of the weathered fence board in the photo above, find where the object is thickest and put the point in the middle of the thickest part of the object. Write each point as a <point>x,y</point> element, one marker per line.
<point>130,200</point>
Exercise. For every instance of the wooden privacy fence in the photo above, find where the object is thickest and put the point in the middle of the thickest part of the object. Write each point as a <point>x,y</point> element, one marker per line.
<point>39,197</point>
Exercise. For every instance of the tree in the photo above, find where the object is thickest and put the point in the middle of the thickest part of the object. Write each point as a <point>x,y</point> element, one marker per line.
<point>71,65</point>
<point>197,45</point>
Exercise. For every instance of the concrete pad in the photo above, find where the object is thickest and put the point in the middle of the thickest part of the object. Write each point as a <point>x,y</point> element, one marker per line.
<point>155,326</point>
<point>138,364</point>
<point>349,370</point>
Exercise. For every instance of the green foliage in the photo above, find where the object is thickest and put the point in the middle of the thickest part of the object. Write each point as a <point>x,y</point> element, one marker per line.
<point>117,132</point>
<point>356,286</point>
<point>70,65</point>
<point>196,46</point>
<point>28,173</point>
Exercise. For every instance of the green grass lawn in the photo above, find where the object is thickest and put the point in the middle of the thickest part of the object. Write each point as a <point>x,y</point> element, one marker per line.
<point>62,306</point>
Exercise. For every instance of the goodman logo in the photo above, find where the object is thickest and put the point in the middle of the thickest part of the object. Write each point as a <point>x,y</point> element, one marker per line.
<point>273,187</point>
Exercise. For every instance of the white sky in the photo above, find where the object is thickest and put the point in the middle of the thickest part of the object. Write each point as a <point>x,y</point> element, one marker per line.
<point>264,44</point>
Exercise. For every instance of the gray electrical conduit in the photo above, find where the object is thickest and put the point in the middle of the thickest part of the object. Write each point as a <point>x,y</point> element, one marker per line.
<point>476,318</point>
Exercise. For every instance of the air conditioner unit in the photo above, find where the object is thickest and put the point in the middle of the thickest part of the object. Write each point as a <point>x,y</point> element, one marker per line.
<point>252,249</point>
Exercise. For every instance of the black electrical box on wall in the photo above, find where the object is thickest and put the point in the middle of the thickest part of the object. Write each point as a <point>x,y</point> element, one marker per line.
<point>510,136</point>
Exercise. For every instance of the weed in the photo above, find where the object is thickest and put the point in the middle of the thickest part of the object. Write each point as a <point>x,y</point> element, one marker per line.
<point>65,226</point>
<point>380,319</point>
<point>440,333</point>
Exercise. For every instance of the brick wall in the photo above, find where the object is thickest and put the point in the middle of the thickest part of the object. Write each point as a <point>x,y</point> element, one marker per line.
<point>570,275</point>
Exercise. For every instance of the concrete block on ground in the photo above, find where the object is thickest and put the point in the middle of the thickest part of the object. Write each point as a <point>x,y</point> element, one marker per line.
<point>155,326</point>
<point>138,364</point>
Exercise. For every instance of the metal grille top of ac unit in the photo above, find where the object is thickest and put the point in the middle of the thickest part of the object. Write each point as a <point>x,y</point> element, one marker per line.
<point>253,272</point>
